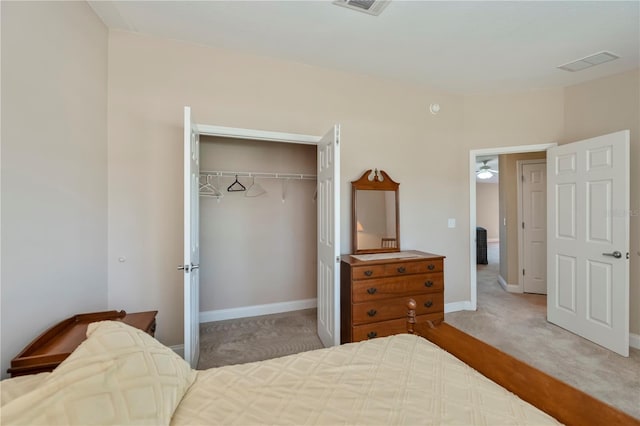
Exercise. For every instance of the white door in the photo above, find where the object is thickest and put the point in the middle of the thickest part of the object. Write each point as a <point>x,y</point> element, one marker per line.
<point>329,238</point>
<point>191,265</point>
<point>534,228</point>
<point>588,236</point>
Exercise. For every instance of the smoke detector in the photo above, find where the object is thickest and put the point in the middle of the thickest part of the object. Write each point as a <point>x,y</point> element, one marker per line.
<point>372,7</point>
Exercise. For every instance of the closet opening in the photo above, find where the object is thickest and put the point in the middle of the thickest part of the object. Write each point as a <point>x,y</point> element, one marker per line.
<point>258,244</point>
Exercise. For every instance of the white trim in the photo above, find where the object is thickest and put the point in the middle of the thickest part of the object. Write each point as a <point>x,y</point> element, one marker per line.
<point>257,310</point>
<point>493,240</point>
<point>464,305</point>
<point>473,279</point>
<point>520,215</point>
<point>511,288</point>
<point>179,349</point>
<point>252,134</point>
<point>634,340</point>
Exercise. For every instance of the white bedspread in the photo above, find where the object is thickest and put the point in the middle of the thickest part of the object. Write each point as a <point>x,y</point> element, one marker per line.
<point>401,379</point>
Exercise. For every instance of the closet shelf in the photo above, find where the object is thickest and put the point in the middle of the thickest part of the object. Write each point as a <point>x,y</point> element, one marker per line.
<point>260,175</point>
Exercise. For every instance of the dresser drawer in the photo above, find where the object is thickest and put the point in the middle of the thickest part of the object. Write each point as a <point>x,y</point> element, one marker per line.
<point>382,310</point>
<point>387,328</point>
<point>384,288</point>
<point>396,269</point>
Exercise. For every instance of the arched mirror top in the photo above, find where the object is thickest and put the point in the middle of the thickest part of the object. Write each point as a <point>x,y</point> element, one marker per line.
<point>375,213</point>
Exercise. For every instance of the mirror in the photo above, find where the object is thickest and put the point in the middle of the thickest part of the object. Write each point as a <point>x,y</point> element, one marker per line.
<point>375,225</point>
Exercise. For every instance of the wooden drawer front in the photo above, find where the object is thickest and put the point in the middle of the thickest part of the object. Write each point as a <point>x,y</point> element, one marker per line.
<point>382,310</point>
<point>387,328</point>
<point>369,290</point>
<point>396,269</point>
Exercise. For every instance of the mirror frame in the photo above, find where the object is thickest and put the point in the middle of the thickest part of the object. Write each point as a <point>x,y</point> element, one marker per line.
<point>376,184</point>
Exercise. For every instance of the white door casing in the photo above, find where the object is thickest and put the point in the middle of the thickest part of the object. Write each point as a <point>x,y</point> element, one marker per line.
<point>534,228</point>
<point>191,265</point>
<point>329,238</point>
<point>588,222</point>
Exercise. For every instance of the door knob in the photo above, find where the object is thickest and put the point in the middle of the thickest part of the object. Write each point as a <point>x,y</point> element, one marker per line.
<point>185,268</point>
<point>615,254</point>
<point>194,266</point>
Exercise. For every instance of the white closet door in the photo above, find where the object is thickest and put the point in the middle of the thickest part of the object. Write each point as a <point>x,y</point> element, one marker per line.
<point>191,264</point>
<point>329,238</point>
<point>588,239</point>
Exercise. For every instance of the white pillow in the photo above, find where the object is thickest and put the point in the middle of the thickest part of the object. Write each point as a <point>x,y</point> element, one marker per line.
<point>120,375</point>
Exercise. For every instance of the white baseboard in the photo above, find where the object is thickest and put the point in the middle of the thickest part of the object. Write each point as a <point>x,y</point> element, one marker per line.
<point>257,310</point>
<point>465,305</point>
<point>634,340</point>
<point>179,349</point>
<point>493,240</point>
<point>511,288</point>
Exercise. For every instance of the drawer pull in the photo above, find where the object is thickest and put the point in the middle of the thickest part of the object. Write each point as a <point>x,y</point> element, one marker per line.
<point>428,283</point>
<point>372,334</point>
<point>372,312</point>
<point>428,304</point>
<point>431,267</point>
<point>372,290</point>
<point>368,272</point>
<point>402,270</point>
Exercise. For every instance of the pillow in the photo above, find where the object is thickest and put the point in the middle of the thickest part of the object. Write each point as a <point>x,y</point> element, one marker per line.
<point>119,375</point>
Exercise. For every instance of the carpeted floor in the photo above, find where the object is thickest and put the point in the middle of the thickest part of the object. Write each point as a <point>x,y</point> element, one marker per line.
<point>257,338</point>
<point>516,324</point>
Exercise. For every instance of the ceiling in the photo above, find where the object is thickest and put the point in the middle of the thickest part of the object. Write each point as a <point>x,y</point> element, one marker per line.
<point>454,46</point>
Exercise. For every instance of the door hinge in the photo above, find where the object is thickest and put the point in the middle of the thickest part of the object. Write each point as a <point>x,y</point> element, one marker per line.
<point>522,177</point>
<point>522,225</point>
<point>337,259</point>
<point>523,272</point>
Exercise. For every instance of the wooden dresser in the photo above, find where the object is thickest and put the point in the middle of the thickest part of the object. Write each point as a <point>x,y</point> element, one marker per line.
<point>374,293</point>
<point>53,346</point>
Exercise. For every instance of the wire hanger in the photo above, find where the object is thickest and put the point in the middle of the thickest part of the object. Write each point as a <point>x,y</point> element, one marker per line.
<point>236,186</point>
<point>209,189</point>
<point>255,189</point>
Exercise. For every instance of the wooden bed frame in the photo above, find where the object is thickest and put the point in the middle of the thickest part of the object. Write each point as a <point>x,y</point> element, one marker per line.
<point>561,401</point>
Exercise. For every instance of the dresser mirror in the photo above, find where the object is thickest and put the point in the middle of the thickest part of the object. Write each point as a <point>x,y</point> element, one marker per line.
<point>375,224</point>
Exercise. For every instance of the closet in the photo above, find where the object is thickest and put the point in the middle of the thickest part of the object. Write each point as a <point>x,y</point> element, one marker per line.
<point>258,242</point>
<point>256,225</point>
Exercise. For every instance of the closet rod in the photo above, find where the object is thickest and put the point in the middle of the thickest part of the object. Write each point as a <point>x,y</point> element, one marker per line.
<point>261,175</point>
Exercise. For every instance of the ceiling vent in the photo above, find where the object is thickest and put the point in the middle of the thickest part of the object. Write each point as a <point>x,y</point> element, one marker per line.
<point>372,7</point>
<point>589,61</point>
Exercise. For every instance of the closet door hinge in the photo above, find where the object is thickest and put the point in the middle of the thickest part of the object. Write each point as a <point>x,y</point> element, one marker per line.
<point>337,259</point>
<point>523,272</point>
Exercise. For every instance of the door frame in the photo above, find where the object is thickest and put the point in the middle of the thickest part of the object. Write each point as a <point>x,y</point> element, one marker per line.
<point>473,279</point>
<point>269,136</point>
<point>520,163</point>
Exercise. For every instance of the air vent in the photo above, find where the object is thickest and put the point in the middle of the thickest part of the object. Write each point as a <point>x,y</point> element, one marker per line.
<point>372,7</point>
<point>589,61</point>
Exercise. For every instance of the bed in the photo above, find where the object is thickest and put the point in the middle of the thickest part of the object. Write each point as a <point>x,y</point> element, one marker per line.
<point>121,375</point>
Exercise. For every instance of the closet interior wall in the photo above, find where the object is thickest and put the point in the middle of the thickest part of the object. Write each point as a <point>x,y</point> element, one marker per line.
<point>257,250</point>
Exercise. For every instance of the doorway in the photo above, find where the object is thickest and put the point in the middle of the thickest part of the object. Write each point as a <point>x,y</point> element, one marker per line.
<point>328,224</point>
<point>474,155</point>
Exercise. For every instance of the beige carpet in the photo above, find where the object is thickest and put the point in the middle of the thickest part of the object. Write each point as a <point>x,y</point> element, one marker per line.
<point>257,338</point>
<point>516,324</point>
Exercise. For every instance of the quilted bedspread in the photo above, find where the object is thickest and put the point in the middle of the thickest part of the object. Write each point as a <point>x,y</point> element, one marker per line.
<point>401,379</point>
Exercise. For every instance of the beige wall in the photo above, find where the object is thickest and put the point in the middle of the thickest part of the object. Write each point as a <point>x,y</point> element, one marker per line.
<point>385,124</point>
<point>487,214</point>
<point>509,247</point>
<point>604,106</point>
<point>258,250</point>
<point>54,167</point>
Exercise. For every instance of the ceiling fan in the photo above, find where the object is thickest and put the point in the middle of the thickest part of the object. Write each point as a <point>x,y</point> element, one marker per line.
<point>485,172</point>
